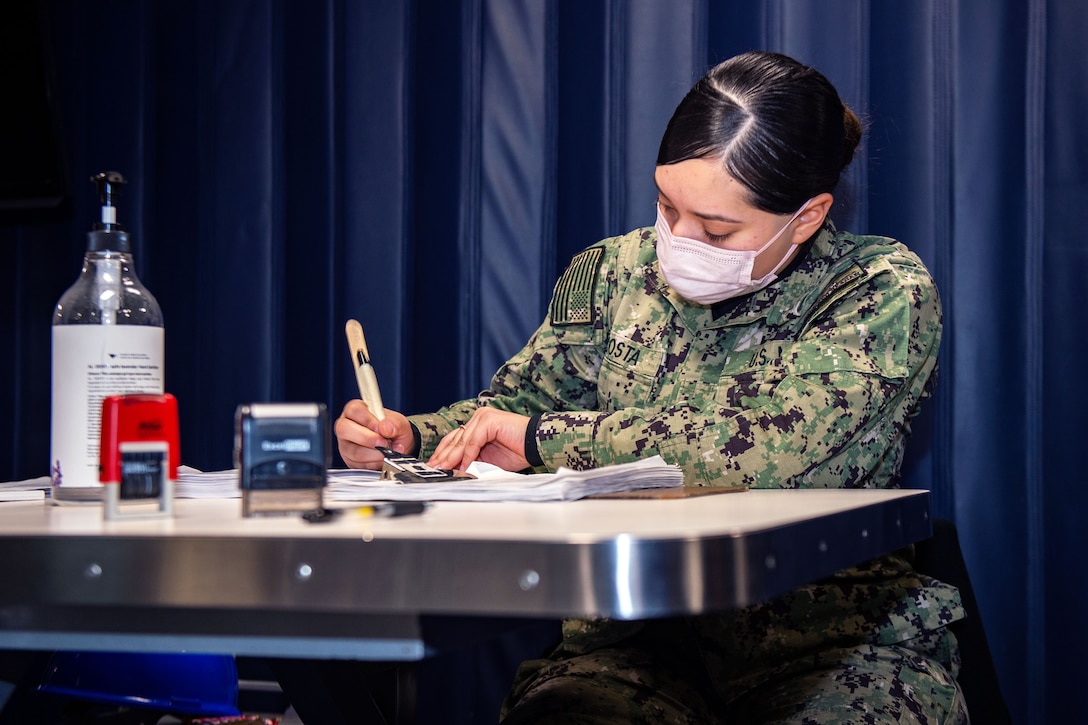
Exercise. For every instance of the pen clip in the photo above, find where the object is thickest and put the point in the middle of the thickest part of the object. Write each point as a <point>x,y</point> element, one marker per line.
<point>360,355</point>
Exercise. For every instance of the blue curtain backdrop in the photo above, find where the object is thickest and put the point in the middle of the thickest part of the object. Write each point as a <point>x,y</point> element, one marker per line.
<point>429,166</point>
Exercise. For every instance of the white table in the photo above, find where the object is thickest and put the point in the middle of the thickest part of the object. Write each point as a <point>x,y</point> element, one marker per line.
<point>394,589</point>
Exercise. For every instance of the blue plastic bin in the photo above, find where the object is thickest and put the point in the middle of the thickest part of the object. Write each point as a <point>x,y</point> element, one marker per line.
<point>186,684</point>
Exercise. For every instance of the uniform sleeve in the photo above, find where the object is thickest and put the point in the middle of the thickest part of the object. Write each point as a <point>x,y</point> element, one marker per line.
<point>829,408</point>
<point>547,375</point>
<point>557,368</point>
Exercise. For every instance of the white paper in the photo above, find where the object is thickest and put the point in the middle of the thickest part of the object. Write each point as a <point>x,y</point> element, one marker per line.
<point>492,484</point>
<point>498,485</point>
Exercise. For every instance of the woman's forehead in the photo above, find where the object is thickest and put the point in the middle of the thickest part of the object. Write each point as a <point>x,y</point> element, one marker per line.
<point>704,186</point>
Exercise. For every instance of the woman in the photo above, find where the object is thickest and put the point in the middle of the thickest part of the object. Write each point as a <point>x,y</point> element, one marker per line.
<point>746,340</point>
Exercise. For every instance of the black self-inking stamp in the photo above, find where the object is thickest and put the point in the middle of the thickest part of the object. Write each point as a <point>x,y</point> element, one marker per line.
<point>282,454</point>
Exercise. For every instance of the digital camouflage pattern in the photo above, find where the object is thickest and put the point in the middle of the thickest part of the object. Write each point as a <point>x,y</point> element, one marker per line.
<point>810,382</point>
<point>635,684</point>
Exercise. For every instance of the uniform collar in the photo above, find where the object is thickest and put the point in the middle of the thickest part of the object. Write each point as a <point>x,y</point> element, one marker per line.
<point>782,298</point>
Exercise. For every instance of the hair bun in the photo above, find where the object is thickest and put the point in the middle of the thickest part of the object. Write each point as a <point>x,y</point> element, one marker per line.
<point>851,135</point>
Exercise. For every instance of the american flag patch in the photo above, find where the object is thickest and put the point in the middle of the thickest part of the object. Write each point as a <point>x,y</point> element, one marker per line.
<point>572,303</point>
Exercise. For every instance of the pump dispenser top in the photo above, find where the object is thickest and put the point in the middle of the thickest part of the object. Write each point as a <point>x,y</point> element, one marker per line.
<point>107,233</point>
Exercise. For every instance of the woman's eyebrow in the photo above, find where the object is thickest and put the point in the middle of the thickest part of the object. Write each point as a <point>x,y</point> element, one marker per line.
<point>701,215</point>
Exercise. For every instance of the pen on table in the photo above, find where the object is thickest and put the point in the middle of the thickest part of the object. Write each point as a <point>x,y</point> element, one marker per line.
<point>382,510</point>
<point>364,371</point>
<point>396,508</point>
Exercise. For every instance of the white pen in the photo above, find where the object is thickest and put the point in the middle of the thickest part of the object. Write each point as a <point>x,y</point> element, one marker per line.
<point>364,371</point>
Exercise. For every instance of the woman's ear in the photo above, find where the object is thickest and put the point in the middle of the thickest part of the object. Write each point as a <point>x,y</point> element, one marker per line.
<point>812,218</point>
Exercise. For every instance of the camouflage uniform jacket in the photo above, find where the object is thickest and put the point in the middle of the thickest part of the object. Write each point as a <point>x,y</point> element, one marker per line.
<point>810,382</point>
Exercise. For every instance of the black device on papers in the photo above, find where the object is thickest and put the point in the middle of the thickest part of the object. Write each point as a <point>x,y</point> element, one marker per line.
<point>402,468</point>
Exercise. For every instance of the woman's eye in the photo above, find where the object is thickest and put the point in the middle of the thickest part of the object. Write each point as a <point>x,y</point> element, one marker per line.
<point>717,238</point>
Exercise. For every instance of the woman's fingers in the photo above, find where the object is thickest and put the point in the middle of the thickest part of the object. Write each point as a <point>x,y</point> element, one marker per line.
<point>491,435</point>
<point>359,433</point>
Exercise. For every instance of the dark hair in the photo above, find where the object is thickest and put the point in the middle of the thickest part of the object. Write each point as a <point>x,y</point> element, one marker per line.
<point>779,127</point>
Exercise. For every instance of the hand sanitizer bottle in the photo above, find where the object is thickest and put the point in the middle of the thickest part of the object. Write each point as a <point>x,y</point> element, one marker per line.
<point>107,340</point>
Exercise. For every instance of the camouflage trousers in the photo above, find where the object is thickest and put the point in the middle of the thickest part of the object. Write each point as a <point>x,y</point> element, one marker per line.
<point>638,681</point>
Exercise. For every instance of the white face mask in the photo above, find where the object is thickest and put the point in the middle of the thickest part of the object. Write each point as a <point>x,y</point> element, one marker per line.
<point>706,274</point>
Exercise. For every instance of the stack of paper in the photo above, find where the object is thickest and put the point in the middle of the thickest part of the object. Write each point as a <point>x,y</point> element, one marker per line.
<point>494,484</point>
<point>490,484</point>
<point>192,483</point>
<point>31,489</point>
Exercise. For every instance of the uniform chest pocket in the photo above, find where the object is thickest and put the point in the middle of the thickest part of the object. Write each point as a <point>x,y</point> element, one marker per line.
<point>749,378</point>
<point>629,373</point>
<point>750,388</point>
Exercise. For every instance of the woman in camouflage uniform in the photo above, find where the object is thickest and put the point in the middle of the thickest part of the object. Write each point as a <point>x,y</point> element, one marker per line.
<point>748,341</point>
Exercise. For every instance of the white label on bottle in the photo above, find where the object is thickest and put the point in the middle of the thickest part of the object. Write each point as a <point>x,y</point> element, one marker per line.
<point>91,362</point>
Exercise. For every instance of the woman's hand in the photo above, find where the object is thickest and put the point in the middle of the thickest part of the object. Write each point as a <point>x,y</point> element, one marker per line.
<point>492,436</point>
<point>359,432</point>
